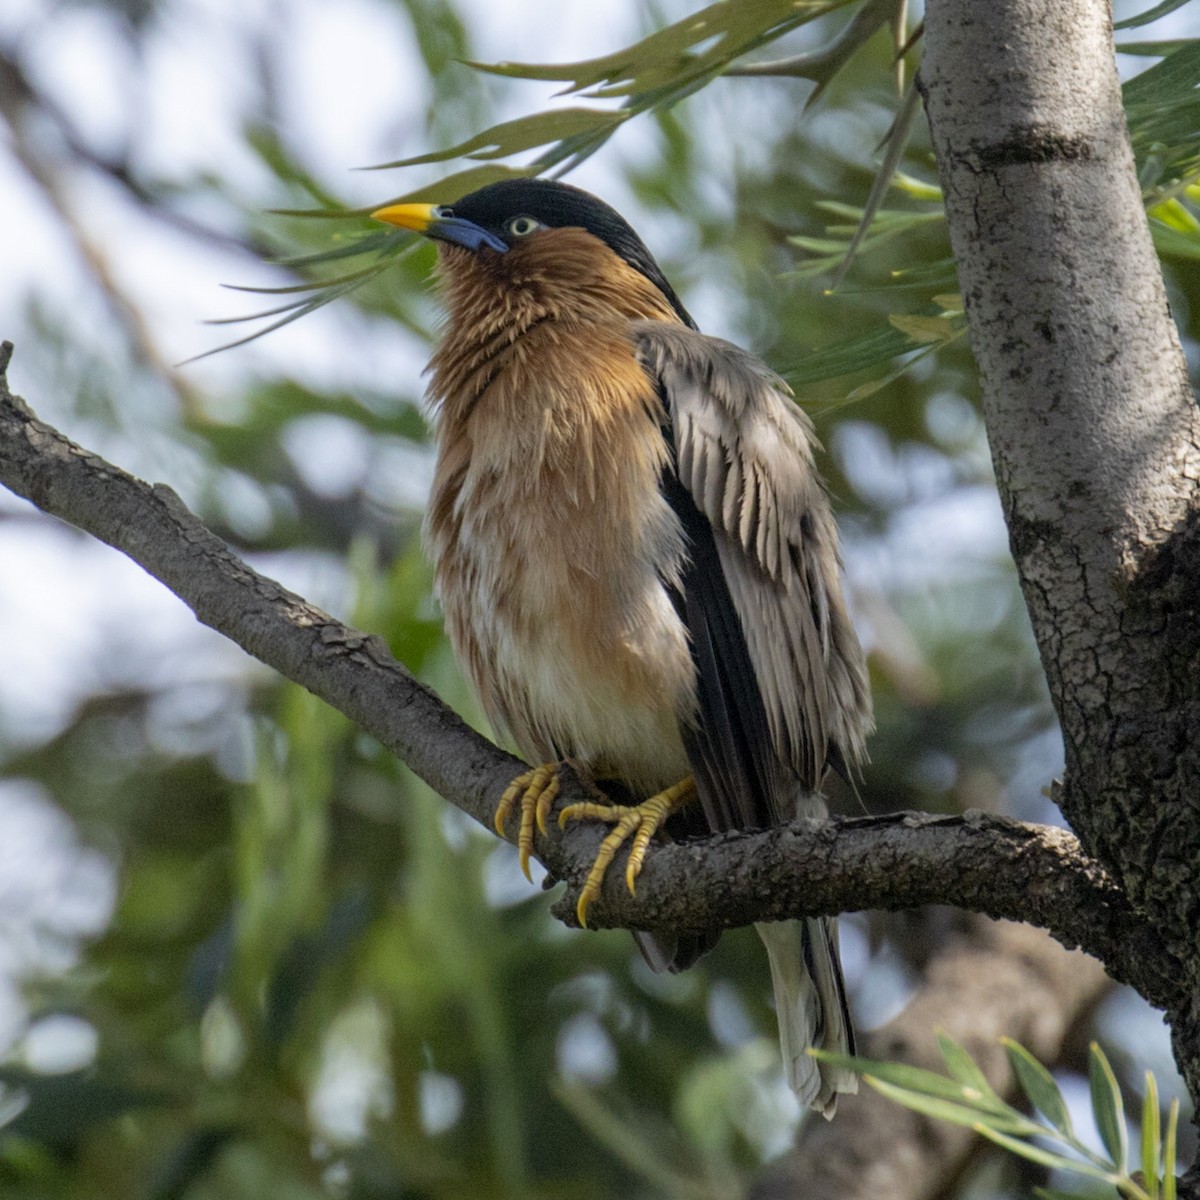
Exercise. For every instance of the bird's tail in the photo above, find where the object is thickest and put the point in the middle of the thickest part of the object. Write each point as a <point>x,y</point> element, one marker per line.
<point>810,1003</point>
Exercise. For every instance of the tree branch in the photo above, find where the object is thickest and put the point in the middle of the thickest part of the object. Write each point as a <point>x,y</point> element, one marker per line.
<point>987,864</point>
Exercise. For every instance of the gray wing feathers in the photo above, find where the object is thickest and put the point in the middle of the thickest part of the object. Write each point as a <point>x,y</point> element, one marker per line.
<point>745,453</point>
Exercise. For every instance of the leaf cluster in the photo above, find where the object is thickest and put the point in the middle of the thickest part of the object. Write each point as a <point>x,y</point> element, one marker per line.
<point>963,1096</point>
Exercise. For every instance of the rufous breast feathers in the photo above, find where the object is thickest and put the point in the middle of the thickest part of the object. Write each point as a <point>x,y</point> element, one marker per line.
<point>549,532</point>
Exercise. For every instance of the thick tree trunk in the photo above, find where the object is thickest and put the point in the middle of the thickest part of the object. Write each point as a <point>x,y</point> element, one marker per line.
<point>1094,430</point>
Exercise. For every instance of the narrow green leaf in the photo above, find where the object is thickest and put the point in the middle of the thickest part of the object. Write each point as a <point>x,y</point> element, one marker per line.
<point>962,1066</point>
<point>329,213</point>
<point>293,313</point>
<point>293,289</point>
<point>965,1069</point>
<point>1166,82</point>
<point>847,357</point>
<point>895,145</point>
<point>1174,243</point>
<point>902,1075</point>
<point>884,218</point>
<point>1151,14</point>
<point>844,241</point>
<point>1107,1107</point>
<point>1152,49</point>
<point>913,1079</point>
<point>1151,1136</point>
<point>1162,106</point>
<point>957,1114</point>
<point>460,183</point>
<point>1176,215</point>
<point>1047,1158</point>
<point>261,315</point>
<point>729,28</point>
<point>918,189</point>
<point>349,247</point>
<point>924,329</point>
<point>933,273</point>
<point>1038,1084</point>
<point>877,385</point>
<point>1169,1152</point>
<point>522,133</point>
<point>951,303</point>
<point>444,191</point>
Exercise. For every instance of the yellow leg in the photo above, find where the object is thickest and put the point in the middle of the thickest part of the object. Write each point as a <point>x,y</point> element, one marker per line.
<point>644,818</point>
<point>537,790</point>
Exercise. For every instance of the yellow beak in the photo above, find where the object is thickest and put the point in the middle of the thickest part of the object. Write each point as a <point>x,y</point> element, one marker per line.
<point>442,224</point>
<point>417,217</point>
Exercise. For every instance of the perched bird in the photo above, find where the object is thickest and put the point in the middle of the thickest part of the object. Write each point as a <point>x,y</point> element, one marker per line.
<point>637,561</point>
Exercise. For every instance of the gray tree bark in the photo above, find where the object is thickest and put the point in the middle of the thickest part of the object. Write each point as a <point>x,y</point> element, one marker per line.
<point>1094,432</point>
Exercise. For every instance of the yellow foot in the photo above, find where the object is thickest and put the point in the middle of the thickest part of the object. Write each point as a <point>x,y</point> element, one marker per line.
<point>641,820</point>
<point>537,790</point>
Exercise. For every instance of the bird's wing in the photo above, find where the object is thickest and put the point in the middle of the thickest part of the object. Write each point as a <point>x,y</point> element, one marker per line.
<point>781,682</point>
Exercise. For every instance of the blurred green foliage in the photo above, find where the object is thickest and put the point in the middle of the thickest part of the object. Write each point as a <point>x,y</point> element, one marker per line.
<point>318,980</point>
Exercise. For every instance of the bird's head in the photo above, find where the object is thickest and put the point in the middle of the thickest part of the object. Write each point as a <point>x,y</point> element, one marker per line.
<point>536,233</point>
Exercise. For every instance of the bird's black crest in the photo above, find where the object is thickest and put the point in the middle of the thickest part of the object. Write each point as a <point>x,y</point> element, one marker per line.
<point>558,206</point>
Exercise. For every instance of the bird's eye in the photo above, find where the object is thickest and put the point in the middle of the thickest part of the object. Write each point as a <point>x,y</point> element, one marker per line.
<point>523,226</point>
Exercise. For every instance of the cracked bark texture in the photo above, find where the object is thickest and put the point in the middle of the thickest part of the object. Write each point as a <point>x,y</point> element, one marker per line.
<point>1094,431</point>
